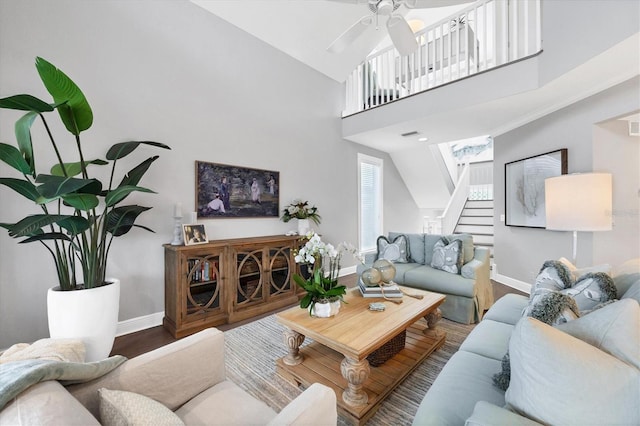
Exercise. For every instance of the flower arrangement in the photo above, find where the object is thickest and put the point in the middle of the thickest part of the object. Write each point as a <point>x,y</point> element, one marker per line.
<point>322,284</point>
<point>300,210</point>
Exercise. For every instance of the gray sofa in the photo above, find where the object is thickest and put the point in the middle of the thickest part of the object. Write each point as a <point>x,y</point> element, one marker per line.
<point>469,294</point>
<point>585,371</point>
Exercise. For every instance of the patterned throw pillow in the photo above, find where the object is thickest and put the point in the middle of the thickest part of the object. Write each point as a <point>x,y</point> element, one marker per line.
<point>591,291</point>
<point>127,408</point>
<point>396,251</point>
<point>447,255</point>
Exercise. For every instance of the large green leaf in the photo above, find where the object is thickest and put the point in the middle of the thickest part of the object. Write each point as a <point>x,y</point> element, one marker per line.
<point>74,169</point>
<point>76,113</point>
<point>57,186</point>
<point>74,224</point>
<point>120,220</point>
<point>31,225</point>
<point>135,175</point>
<point>47,236</point>
<point>25,103</point>
<point>11,155</point>
<point>123,149</point>
<point>23,136</point>
<point>23,187</point>
<point>121,192</point>
<point>84,202</point>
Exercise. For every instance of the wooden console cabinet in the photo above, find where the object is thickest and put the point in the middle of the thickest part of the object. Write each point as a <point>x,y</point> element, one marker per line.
<point>225,281</point>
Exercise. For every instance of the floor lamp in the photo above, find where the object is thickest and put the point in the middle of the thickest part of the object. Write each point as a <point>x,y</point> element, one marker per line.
<point>578,202</point>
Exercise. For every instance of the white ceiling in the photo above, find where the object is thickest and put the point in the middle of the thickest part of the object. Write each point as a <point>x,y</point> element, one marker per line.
<point>304,29</point>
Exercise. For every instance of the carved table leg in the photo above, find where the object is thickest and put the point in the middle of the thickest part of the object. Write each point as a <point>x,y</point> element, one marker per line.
<point>432,321</point>
<point>356,372</point>
<point>293,340</point>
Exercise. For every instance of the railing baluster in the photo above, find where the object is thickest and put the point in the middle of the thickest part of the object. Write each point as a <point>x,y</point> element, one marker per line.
<point>386,76</point>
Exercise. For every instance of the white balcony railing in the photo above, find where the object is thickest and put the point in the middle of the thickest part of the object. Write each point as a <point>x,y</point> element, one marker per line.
<point>487,34</point>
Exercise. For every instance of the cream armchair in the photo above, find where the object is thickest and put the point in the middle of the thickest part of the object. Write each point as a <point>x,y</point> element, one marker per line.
<point>187,376</point>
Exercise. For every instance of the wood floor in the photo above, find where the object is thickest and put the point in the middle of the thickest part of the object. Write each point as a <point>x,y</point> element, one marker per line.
<point>134,344</point>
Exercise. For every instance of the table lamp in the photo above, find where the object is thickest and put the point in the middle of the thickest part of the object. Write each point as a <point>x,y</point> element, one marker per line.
<point>578,202</point>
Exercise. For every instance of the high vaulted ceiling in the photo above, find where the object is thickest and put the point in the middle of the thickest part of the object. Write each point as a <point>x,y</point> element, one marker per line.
<point>304,29</point>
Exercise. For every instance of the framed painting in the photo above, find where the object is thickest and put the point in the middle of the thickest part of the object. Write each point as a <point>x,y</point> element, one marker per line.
<point>524,187</point>
<point>194,234</point>
<point>224,191</point>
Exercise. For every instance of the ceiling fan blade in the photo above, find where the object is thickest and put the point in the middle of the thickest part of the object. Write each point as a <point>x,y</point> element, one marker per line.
<point>426,4</point>
<point>349,36</point>
<point>401,35</point>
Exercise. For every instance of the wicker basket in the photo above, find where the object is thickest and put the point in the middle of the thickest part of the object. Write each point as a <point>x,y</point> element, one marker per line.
<point>388,350</point>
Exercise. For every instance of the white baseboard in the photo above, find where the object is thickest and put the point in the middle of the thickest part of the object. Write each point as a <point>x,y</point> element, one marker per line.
<point>513,283</point>
<point>347,271</point>
<point>140,323</point>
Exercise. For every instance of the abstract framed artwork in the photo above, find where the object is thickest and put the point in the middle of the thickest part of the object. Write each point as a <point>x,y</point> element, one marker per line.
<point>224,191</point>
<point>524,187</point>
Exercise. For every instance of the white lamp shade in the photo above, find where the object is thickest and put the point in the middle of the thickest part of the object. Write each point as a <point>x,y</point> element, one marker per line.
<point>579,202</point>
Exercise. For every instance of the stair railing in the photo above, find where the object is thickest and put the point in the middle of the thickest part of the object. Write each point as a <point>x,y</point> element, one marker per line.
<point>485,35</point>
<point>454,208</point>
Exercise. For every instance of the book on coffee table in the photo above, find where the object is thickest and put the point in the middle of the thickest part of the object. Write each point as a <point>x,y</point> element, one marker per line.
<point>391,291</point>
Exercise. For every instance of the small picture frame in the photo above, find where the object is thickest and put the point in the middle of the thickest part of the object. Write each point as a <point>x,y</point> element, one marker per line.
<point>194,234</point>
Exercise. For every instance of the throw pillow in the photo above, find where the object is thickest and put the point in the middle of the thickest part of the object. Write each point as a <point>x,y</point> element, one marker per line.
<point>578,272</point>
<point>558,379</point>
<point>467,245</point>
<point>447,255</point>
<point>591,290</point>
<point>120,408</point>
<point>553,276</point>
<point>553,308</point>
<point>614,329</point>
<point>396,251</point>
<point>415,246</point>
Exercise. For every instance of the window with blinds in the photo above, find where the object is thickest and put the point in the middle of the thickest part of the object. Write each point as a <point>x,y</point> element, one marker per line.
<point>370,201</point>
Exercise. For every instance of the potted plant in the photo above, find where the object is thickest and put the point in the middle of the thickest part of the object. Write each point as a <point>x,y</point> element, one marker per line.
<point>302,211</point>
<point>324,293</point>
<point>79,215</point>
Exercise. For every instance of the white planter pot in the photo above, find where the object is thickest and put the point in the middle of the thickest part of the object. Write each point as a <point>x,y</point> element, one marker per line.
<point>326,309</point>
<point>90,315</point>
<point>303,226</point>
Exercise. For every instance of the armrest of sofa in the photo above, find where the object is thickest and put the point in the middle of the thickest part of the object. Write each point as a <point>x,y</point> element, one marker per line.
<point>487,414</point>
<point>315,406</point>
<point>172,374</point>
<point>477,266</point>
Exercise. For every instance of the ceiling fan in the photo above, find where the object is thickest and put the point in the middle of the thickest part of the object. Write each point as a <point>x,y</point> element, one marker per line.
<point>397,26</point>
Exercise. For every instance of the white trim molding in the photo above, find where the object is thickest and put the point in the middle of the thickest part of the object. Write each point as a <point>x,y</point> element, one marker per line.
<point>140,323</point>
<point>513,283</point>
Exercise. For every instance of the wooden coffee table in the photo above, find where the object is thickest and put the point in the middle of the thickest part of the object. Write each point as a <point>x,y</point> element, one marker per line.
<point>337,357</point>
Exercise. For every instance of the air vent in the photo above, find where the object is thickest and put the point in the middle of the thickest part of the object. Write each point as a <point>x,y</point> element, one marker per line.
<point>409,134</point>
<point>634,128</point>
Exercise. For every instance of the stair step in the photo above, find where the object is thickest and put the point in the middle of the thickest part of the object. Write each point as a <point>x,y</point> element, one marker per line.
<point>479,211</point>
<point>475,220</point>
<point>479,203</point>
<point>475,229</point>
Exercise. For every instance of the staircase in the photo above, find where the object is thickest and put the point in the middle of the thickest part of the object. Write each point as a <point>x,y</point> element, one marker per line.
<point>477,219</point>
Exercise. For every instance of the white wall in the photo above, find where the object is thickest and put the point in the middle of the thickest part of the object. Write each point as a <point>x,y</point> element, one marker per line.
<point>611,142</point>
<point>171,72</point>
<point>519,252</point>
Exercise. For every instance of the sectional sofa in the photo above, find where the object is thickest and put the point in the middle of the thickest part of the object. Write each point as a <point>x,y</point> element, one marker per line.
<point>469,292</point>
<point>583,372</point>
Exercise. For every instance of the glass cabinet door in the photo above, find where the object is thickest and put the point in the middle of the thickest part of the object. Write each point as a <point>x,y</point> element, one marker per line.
<point>203,289</point>
<point>281,268</point>
<point>250,279</point>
